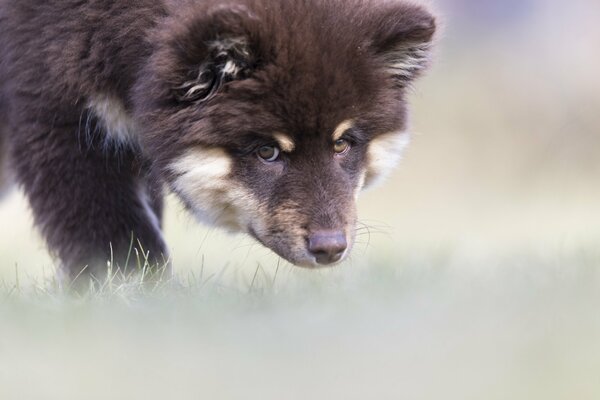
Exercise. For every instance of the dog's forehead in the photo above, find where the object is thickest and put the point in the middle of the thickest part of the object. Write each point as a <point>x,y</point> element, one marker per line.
<point>300,117</point>
<point>307,105</point>
<point>307,96</point>
<point>319,93</point>
<point>314,85</point>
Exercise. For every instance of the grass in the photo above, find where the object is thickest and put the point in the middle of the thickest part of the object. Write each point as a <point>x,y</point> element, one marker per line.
<point>430,327</point>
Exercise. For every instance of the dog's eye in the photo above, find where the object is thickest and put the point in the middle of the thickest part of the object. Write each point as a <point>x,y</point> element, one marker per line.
<point>268,153</point>
<point>341,146</point>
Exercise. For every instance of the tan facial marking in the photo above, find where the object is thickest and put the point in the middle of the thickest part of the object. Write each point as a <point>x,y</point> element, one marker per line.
<point>385,151</point>
<point>204,182</point>
<point>212,163</point>
<point>286,143</point>
<point>341,129</point>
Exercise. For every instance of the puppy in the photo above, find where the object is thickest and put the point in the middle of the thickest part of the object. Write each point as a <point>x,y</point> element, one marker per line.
<point>266,117</point>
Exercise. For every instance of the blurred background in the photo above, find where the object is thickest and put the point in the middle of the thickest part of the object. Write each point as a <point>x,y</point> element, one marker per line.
<point>505,156</point>
<point>479,279</point>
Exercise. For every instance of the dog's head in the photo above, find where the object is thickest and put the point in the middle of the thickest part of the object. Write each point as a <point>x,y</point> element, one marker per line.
<point>270,116</point>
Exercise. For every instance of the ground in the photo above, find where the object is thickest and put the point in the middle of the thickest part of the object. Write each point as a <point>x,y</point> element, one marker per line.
<point>421,329</point>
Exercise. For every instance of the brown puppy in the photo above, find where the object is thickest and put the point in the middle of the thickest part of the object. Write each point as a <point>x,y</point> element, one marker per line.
<point>265,116</point>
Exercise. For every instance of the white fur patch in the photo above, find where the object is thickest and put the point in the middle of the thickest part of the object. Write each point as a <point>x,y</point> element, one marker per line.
<point>120,128</point>
<point>204,182</point>
<point>384,153</point>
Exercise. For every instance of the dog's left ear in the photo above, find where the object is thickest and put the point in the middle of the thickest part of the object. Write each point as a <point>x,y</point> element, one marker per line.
<point>402,38</point>
<point>218,47</point>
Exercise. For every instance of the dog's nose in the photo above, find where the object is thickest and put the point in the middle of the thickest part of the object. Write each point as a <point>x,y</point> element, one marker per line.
<point>328,247</point>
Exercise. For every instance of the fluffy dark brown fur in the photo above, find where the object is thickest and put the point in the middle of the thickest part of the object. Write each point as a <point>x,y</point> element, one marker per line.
<point>107,101</point>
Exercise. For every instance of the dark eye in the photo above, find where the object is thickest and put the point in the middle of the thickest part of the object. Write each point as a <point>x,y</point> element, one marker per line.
<point>341,146</point>
<point>268,153</point>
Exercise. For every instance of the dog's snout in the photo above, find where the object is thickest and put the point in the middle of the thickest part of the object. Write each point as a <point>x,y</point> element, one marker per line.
<point>327,247</point>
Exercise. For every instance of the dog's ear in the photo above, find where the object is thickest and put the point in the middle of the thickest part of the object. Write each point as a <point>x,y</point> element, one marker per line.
<point>217,48</point>
<point>402,38</point>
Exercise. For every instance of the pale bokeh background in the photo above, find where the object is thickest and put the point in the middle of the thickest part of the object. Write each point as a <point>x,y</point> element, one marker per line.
<point>480,279</point>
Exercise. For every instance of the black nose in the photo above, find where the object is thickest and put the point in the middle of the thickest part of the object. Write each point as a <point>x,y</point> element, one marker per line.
<point>328,247</point>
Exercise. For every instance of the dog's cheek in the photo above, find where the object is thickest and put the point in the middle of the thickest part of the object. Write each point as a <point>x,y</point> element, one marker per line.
<point>203,179</point>
<point>383,155</point>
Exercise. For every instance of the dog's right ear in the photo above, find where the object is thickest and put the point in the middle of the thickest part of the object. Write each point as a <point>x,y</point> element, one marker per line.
<point>215,49</point>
